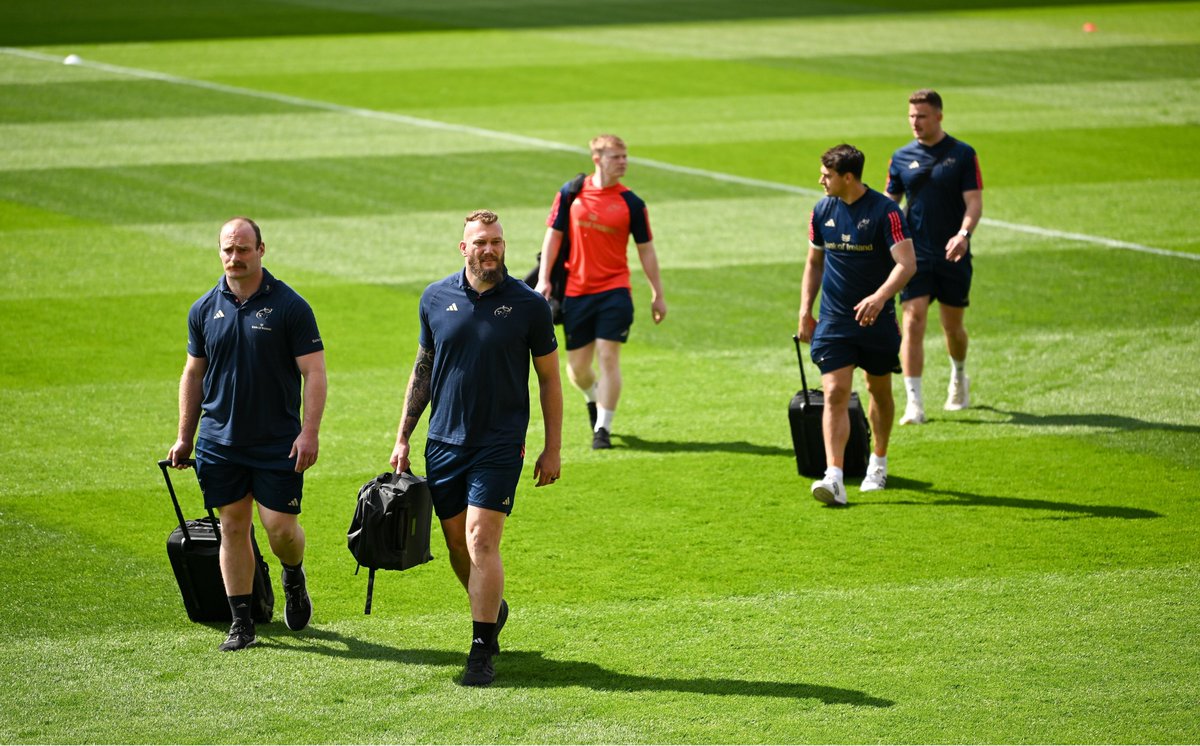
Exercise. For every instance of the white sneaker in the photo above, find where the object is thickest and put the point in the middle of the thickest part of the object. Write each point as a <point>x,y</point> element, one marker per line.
<point>829,491</point>
<point>914,414</point>
<point>876,479</point>
<point>958,396</point>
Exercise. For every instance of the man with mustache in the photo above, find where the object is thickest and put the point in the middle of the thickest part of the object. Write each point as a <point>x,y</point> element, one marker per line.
<point>253,350</point>
<point>479,330</point>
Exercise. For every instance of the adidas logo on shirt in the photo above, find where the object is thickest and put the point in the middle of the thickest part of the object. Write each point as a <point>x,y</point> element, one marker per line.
<point>452,307</point>
<point>829,223</point>
<point>913,165</point>
<point>219,314</point>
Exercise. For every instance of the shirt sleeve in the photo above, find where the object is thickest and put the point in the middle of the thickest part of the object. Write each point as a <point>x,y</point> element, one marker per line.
<point>195,343</point>
<point>972,177</point>
<point>425,338</point>
<point>541,340</point>
<point>814,232</point>
<point>895,226</point>
<point>302,329</point>
<point>559,219</point>
<point>639,219</point>
<point>895,185</point>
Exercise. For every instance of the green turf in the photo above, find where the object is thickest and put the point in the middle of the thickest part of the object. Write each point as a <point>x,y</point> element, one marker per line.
<point>1029,576</point>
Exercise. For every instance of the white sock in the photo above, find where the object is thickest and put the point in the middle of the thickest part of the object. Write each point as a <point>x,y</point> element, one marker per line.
<point>590,393</point>
<point>958,368</point>
<point>834,473</point>
<point>877,461</point>
<point>604,418</point>
<point>912,387</point>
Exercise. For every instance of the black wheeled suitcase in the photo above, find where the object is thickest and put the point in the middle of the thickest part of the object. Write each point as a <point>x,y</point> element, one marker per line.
<point>193,548</point>
<point>804,414</point>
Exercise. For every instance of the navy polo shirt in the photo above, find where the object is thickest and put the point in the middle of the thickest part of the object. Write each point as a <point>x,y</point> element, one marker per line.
<point>857,240</point>
<point>482,345</point>
<point>252,386</point>
<point>933,179</point>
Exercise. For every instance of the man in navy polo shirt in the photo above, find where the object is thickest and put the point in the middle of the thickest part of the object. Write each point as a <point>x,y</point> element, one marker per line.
<point>938,177</point>
<point>859,257</point>
<point>479,330</point>
<point>253,354</point>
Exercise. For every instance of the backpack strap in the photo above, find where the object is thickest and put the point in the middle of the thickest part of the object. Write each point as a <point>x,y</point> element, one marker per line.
<point>370,590</point>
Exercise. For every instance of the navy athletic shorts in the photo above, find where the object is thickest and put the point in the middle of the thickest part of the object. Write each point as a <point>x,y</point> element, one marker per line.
<point>942,280</point>
<point>483,476</point>
<point>228,473</point>
<point>875,348</point>
<point>606,315</point>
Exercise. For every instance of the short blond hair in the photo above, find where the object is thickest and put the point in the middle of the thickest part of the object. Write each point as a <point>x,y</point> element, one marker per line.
<point>487,217</point>
<point>601,143</point>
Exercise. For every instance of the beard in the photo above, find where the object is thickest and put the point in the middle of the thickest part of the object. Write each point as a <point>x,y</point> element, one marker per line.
<point>490,276</point>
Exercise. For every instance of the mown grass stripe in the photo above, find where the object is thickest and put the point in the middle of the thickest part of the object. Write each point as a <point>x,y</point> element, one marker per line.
<point>549,145</point>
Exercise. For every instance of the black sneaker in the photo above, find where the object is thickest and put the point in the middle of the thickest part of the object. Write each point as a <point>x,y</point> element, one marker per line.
<point>241,635</point>
<point>592,414</point>
<point>298,609</point>
<point>501,618</point>
<point>601,439</point>
<point>480,671</point>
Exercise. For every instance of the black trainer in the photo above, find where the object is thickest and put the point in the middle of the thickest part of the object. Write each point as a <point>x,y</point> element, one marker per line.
<point>298,609</point>
<point>601,439</point>
<point>241,635</point>
<point>480,671</point>
<point>501,618</point>
<point>592,414</point>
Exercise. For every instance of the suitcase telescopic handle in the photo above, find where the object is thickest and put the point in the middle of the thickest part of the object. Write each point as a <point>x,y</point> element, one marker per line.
<point>166,464</point>
<point>803,379</point>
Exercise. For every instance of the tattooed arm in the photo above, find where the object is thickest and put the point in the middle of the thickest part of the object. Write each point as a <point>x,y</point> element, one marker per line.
<point>416,398</point>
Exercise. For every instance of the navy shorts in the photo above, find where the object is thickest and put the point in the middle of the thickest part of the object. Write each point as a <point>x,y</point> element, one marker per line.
<point>606,315</point>
<point>875,348</point>
<point>229,473</point>
<point>942,280</point>
<point>483,476</point>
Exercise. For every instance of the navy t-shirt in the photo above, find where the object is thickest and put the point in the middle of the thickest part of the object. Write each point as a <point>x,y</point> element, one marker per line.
<point>857,240</point>
<point>252,386</point>
<point>940,174</point>
<point>482,345</point>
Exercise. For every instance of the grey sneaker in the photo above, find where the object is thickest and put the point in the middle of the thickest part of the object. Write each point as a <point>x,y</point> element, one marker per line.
<point>241,635</point>
<point>829,491</point>
<point>601,440</point>
<point>914,414</point>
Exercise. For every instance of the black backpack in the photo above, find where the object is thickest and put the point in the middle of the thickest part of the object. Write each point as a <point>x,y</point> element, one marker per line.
<point>558,271</point>
<point>390,528</point>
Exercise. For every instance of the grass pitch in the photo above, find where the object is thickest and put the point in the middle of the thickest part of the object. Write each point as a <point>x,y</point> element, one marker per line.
<point>1030,574</point>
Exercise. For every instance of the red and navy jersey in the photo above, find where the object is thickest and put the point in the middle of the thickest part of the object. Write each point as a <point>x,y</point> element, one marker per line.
<point>599,226</point>
<point>252,386</point>
<point>857,240</point>
<point>932,180</point>
<point>482,345</point>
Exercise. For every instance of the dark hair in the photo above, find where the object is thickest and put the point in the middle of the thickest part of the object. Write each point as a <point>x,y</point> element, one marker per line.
<point>844,159</point>
<point>254,225</point>
<point>487,217</point>
<point>926,96</point>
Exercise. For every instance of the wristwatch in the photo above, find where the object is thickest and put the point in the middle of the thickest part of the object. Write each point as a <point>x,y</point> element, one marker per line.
<point>965,233</point>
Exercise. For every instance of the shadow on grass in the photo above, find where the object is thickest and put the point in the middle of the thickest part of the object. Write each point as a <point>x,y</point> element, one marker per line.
<point>957,497</point>
<point>1105,421</point>
<point>530,669</point>
<point>635,443</point>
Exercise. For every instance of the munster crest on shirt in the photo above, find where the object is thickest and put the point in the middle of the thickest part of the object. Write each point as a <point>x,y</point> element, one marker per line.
<point>503,311</point>
<point>264,312</point>
<point>864,224</point>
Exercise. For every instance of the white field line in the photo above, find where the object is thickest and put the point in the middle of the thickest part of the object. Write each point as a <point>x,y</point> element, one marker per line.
<point>535,142</point>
